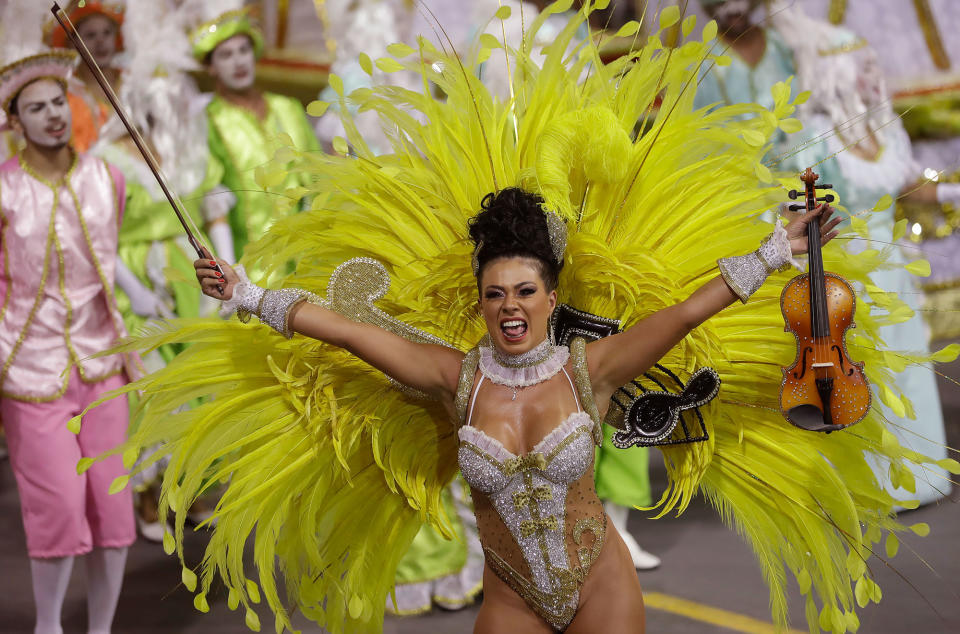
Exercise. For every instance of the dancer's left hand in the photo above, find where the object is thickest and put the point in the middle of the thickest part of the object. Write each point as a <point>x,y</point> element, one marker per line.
<point>797,227</point>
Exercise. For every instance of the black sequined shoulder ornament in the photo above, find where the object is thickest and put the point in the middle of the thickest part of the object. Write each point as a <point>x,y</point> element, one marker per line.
<point>648,410</point>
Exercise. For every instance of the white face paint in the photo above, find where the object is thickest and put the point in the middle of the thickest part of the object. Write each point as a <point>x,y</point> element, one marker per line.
<point>99,33</point>
<point>232,63</point>
<point>43,115</point>
<point>870,81</point>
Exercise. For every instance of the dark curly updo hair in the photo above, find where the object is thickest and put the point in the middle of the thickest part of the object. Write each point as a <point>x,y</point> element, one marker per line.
<point>512,223</point>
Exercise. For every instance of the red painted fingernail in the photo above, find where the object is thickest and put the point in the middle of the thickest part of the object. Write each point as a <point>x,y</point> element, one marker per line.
<point>219,274</point>
<point>212,263</point>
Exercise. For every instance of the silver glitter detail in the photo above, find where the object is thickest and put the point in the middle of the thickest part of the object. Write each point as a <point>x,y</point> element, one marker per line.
<point>745,274</point>
<point>276,306</point>
<point>539,481</point>
<point>581,377</point>
<point>526,373</point>
<point>557,230</point>
<point>534,356</point>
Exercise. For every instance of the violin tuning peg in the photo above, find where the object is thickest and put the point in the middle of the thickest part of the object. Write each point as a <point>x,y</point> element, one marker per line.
<point>825,186</point>
<point>797,207</point>
<point>829,198</point>
<point>793,194</point>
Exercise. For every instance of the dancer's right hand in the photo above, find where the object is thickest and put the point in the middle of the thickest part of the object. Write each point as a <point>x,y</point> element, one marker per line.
<point>210,278</point>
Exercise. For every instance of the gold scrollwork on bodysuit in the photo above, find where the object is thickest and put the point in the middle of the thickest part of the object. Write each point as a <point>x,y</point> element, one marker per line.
<point>525,498</point>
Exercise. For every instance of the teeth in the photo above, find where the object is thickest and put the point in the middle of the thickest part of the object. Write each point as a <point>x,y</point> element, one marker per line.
<point>511,324</point>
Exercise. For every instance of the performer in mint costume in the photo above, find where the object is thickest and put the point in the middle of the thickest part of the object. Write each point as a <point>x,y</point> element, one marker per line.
<point>865,153</point>
<point>245,126</point>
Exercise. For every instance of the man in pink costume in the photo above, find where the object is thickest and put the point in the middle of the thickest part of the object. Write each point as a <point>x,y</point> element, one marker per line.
<point>59,216</point>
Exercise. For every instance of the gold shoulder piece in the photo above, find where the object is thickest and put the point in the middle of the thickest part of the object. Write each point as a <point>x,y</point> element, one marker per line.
<point>468,370</point>
<point>581,376</point>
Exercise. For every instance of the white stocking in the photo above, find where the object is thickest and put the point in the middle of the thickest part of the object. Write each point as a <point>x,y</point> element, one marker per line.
<point>50,579</point>
<point>104,579</point>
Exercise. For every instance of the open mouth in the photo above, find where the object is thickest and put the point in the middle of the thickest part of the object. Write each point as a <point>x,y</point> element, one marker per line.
<point>513,329</point>
<point>57,130</point>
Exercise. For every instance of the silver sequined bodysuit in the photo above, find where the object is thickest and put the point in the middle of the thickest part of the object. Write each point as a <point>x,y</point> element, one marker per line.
<point>539,518</point>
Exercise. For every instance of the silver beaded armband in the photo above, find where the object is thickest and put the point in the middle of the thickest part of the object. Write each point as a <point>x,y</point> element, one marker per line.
<point>745,274</point>
<point>271,307</point>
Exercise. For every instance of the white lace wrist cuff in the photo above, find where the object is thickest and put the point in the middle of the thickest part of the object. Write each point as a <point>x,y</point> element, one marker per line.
<point>272,307</point>
<point>745,274</point>
<point>246,297</point>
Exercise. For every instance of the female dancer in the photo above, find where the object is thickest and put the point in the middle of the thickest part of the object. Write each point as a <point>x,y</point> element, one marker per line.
<point>526,437</point>
<point>331,471</point>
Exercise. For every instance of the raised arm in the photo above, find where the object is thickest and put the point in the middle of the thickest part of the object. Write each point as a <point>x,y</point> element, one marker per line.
<point>432,369</point>
<point>616,360</point>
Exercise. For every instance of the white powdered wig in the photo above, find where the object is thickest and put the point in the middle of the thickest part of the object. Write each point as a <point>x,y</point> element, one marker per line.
<point>159,95</point>
<point>839,69</point>
<point>21,29</point>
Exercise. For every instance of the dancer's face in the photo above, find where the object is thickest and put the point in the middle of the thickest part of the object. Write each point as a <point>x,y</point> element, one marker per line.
<point>870,80</point>
<point>99,33</point>
<point>732,16</point>
<point>43,115</point>
<point>516,304</point>
<point>233,63</point>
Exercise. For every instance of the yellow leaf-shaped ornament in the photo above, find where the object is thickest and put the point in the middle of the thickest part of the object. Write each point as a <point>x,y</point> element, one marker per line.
<point>169,545</point>
<point>892,545</point>
<point>862,593</point>
<point>73,424</point>
<point>130,458</point>
<point>189,578</point>
<point>253,591</point>
<point>710,31</point>
<point>389,65</point>
<point>355,607</point>
<point>754,138</point>
<point>802,98</point>
<point>949,464</point>
<point>791,125</point>
<point>669,16</point>
<point>920,268</point>
<point>252,620</point>
<point>921,529</point>
<point>119,484</point>
<point>366,63</point>
<point>83,465</point>
<point>200,603</point>
<point>487,40</point>
<point>336,83</point>
<point>947,353</point>
<point>899,229</point>
<point>883,203</point>
<point>763,173</point>
<point>502,13</point>
<point>629,29</point>
<point>340,145</point>
<point>399,49</point>
<point>688,23</point>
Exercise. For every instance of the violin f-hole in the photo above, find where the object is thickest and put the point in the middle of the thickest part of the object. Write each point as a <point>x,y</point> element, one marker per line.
<point>836,348</point>
<point>803,364</point>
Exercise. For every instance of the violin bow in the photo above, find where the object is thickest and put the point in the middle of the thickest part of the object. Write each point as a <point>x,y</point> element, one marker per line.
<point>67,25</point>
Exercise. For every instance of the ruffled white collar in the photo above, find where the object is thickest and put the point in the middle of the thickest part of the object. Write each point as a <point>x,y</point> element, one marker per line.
<point>521,370</point>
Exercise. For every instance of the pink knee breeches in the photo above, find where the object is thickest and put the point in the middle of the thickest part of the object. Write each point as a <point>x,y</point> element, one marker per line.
<point>65,513</point>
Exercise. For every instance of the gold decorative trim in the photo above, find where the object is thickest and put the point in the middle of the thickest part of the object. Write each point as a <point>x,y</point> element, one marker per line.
<point>581,378</point>
<point>931,34</point>
<point>847,47</point>
<point>837,12</point>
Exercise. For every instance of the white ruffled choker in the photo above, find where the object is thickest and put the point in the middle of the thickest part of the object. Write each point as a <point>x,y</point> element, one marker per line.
<point>521,370</point>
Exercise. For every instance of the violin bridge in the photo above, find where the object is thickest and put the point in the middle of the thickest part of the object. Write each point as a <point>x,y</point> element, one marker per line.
<point>821,365</point>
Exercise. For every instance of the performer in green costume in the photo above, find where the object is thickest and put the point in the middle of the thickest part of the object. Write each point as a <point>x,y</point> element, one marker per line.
<point>245,126</point>
<point>154,280</point>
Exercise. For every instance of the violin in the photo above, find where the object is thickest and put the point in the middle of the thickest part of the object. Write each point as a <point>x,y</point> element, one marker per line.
<point>823,390</point>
